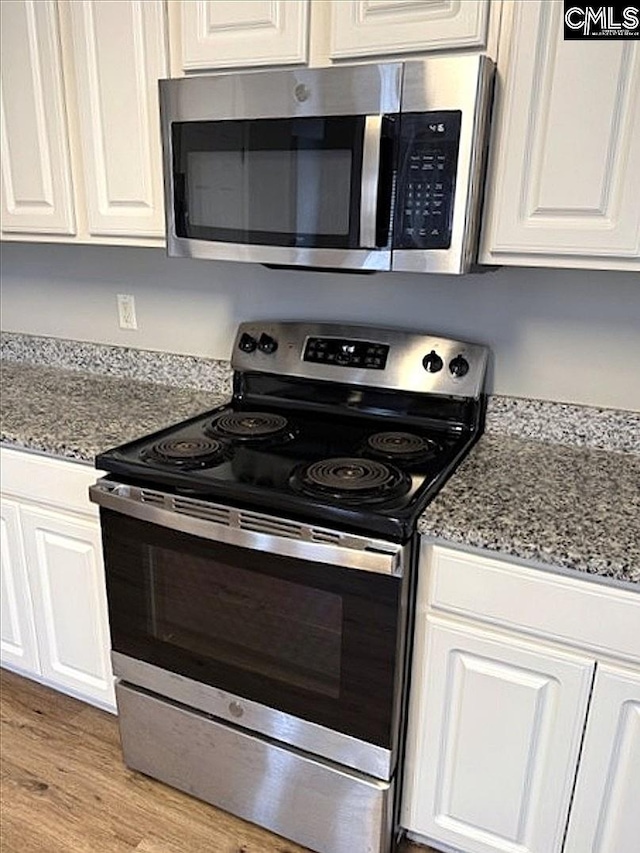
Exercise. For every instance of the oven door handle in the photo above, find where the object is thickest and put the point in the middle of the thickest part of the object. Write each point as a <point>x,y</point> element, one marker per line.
<point>248,529</point>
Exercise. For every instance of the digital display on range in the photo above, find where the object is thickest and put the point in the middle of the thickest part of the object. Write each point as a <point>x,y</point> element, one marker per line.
<point>346,353</point>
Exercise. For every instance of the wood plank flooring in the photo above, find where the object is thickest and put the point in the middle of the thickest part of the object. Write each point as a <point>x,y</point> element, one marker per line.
<point>64,788</point>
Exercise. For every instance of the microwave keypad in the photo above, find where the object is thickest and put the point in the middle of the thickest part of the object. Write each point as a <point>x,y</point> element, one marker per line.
<point>430,152</point>
<point>428,200</point>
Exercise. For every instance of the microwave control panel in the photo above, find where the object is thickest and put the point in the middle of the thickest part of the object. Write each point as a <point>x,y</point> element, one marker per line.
<point>429,145</point>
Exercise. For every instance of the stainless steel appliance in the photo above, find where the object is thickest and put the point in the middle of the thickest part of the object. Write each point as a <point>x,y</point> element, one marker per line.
<point>367,167</point>
<point>260,566</point>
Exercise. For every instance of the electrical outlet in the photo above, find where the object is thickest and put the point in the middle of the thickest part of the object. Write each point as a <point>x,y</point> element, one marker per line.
<point>127,311</point>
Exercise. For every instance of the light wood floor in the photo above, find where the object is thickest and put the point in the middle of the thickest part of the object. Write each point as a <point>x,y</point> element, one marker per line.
<point>66,790</point>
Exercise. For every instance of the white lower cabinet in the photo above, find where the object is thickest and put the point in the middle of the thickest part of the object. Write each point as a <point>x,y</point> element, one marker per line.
<point>605,817</point>
<point>54,611</point>
<point>501,723</point>
<point>18,642</point>
<point>521,728</point>
<point>64,561</point>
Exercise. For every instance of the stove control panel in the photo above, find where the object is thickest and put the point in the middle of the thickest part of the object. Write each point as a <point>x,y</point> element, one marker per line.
<point>346,353</point>
<point>362,355</point>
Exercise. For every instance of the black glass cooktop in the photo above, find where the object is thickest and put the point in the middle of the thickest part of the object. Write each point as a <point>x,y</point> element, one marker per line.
<point>354,471</point>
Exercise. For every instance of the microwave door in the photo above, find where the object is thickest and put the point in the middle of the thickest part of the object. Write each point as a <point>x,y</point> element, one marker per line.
<point>295,191</point>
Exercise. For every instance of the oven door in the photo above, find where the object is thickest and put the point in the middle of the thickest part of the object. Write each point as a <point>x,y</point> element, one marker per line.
<point>293,631</point>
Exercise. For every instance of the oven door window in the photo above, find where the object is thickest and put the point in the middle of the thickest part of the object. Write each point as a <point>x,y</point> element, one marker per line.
<point>282,182</point>
<point>313,640</point>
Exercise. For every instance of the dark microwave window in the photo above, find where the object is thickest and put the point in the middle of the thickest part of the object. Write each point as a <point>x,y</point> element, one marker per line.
<point>273,627</point>
<point>312,188</point>
<point>284,182</point>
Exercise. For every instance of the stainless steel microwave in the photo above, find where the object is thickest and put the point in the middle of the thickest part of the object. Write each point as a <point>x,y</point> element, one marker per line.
<point>365,167</point>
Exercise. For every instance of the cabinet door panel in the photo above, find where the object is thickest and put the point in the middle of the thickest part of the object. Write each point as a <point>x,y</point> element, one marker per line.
<point>18,641</point>
<point>563,608</point>
<point>67,581</point>
<point>255,32</point>
<point>37,195</point>
<point>605,817</point>
<point>368,27</point>
<point>120,53</point>
<point>495,728</point>
<point>566,169</point>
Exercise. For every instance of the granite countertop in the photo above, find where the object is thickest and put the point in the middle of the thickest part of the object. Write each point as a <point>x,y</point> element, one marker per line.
<point>569,507</point>
<point>76,414</point>
<point>556,484</point>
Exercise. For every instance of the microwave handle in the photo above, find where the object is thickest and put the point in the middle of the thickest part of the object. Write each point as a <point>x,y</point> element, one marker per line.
<point>369,181</point>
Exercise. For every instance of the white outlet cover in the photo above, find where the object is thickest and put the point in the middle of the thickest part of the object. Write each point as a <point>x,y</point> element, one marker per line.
<point>127,311</point>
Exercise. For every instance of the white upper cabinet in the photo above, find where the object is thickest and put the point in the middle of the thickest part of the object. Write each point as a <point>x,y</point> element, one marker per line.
<point>564,187</point>
<point>37,192</point>
<point>220,34</point>
<point>370,27</point>
<point>208,34</point>
<point>119,54</point>
<point>81,158</point>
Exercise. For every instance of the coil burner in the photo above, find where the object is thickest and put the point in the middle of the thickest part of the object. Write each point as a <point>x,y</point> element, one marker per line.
<point>402,446</point>
<point>246,426</point>
<point>186,453</point>
<point>351,479</point>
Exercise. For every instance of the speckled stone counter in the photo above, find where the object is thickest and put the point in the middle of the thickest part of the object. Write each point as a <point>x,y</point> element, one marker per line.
<point>76,414</point>
<point>166,368</point>
<point>564,423</point>
<point>555,484</point>
<point>569,507</point>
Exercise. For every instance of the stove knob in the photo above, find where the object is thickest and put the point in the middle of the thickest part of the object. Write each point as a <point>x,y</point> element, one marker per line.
<point>432,362</point>
<point>459,366</point>
<point>267,344</point>
<point>247,343</point>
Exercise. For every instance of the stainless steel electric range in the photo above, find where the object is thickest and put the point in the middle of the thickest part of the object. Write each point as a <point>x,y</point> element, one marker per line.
<point>260,566</point>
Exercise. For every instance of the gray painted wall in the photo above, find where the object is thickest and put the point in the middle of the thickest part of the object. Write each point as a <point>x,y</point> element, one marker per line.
<point>563,335</point>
